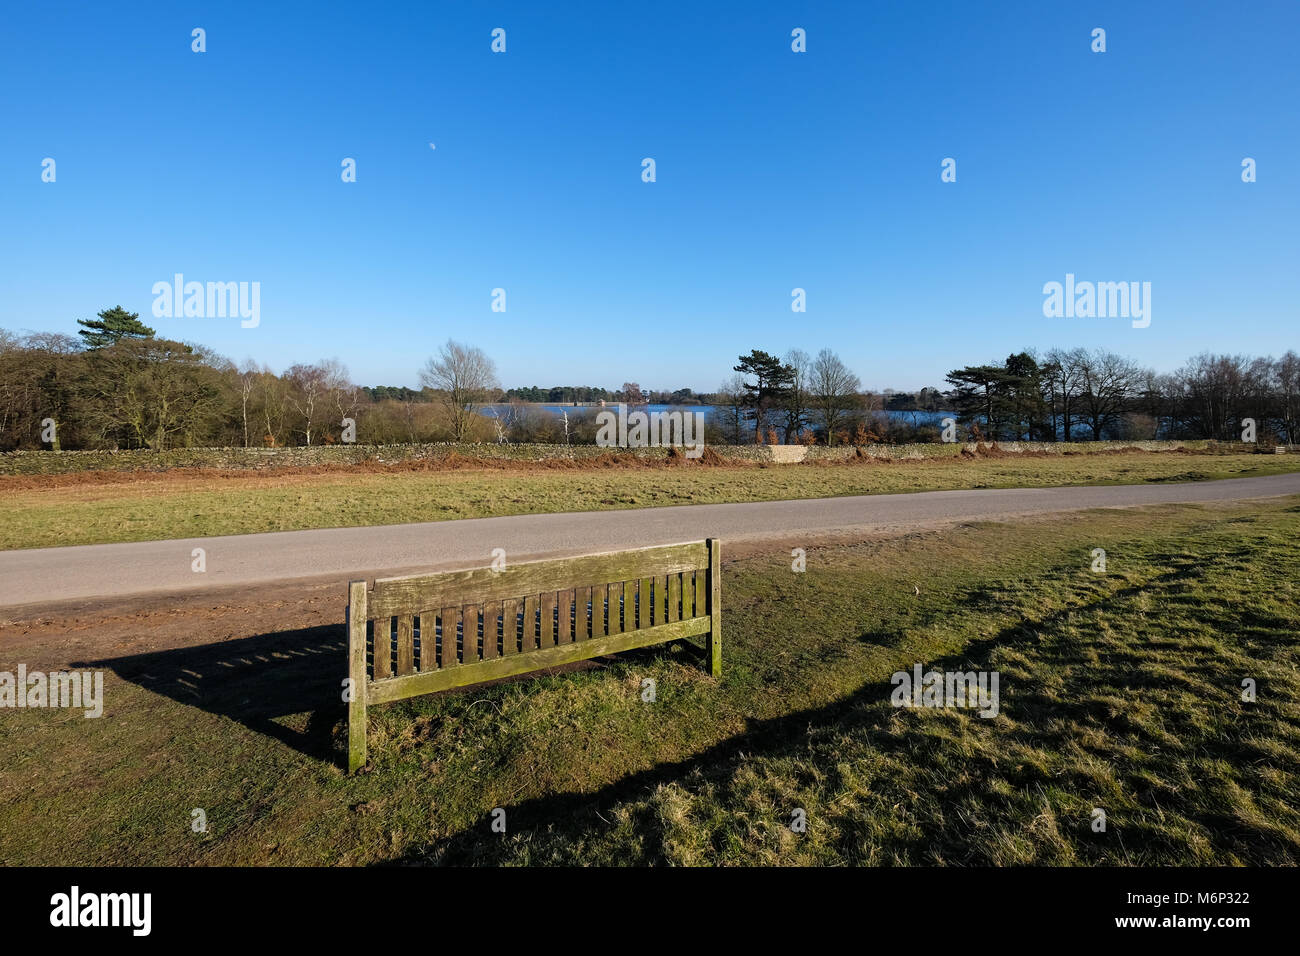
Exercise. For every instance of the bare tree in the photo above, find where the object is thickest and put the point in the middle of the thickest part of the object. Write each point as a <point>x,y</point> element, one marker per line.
<point>309,387</point>
<point>248,376</point>
<point>463,377</point>
<point>834,391</point>
<point>731,396</point>
<point>1063,376</point>
<point>1107,383</point>
<point>797,397</point>
<point>273,395</point>
<point>1286,381</point>
<point>1213,394</point>
<point>343,395</point>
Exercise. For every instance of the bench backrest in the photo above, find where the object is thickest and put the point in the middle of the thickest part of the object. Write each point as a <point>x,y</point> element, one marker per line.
<point>429,632</point>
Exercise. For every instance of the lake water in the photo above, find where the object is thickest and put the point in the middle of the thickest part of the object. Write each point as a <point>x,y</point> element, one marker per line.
<point>711,412</point>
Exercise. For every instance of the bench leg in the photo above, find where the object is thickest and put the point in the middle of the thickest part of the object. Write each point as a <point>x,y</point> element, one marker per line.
<point>356,736</point>
<point>357,674</point>
<point>714,645</point>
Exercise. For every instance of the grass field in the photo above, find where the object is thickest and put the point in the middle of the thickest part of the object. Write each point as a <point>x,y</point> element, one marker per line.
<point>42,512</point>
<point>1120,691</point>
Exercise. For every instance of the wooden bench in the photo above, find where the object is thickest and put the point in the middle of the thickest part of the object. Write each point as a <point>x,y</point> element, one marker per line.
<point>416,635</point>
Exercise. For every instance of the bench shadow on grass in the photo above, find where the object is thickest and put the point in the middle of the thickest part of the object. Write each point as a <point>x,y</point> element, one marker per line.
<point>256,681</point>
<point>578,819</point>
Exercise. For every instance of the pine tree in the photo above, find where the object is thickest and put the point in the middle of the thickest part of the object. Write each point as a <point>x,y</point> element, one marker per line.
<point>112,324</point>
<point>775,379</point>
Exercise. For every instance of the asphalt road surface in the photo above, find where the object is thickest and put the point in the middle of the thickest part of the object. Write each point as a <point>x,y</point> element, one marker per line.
<point>43,575</point>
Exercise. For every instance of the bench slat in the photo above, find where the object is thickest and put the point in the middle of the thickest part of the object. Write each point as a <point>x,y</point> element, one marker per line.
<point>548,619</point>
<point>406,595</point>
<point>475,629</point>
<point>397,688</point>
<point>528,635</point>
<point>584,626</point>
<point>645,604</point>
<point>383,648</point>
<point>405,644</point>
<point>600,611</point>
<point>426,626</point>
<point>447,654</point>
<point>507,634</point>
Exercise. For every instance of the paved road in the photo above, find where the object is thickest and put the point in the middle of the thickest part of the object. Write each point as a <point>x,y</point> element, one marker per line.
<point>118,570</point>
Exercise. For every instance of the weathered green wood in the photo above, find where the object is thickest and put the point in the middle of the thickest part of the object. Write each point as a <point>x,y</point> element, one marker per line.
<point>714,644</point>
<point>572,616</point>
<point>528,635</point>
<point>428,628</point>
<point>405,644</point>
<point>358,684</point>
<point>399,688</point>
<point>644,605</point>
<point>561,617</point>
<point>392,596</point>
<point>475,625</point>
<point>508,630</point>
<point>584,626</point>
<point>450,618</point>
<point>548,619</point>
<point>643,597</point>
<point>382,642</point>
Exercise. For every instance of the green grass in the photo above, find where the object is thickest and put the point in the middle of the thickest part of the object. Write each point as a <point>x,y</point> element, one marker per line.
<point>159,508</point>
<point>1119,691</point>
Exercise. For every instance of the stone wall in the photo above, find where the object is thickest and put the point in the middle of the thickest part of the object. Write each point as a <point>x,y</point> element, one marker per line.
<point>60,462</point>
<point>953,449</point>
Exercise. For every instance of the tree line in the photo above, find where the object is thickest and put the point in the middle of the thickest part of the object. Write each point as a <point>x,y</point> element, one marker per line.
<point>116,384</point>
<point>1096,394</point>
<point>1062,395</point>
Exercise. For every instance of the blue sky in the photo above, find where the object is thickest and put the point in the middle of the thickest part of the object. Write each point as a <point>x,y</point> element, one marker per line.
<point>775,170</point>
